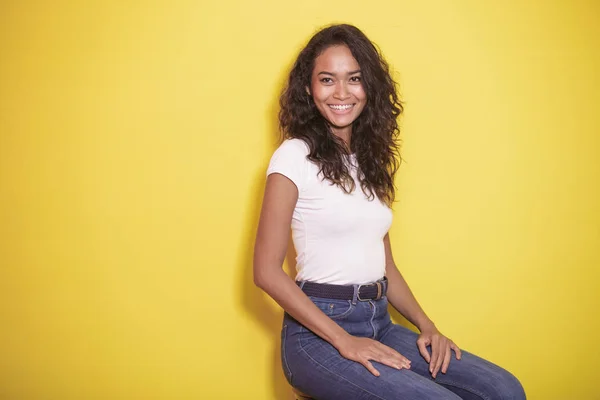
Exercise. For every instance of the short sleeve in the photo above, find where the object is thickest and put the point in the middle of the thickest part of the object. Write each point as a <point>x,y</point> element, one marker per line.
<point>290,160</point>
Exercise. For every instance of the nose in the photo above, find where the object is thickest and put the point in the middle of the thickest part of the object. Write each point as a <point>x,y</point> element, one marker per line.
<point>341,91</point>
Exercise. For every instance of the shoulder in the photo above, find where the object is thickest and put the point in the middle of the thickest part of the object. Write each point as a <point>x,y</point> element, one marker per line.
<point>290,160</point>
<point>291,151</point>
<point>293,147</point>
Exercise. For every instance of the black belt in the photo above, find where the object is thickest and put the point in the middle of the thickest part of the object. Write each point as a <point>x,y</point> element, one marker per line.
<point>371,291</point>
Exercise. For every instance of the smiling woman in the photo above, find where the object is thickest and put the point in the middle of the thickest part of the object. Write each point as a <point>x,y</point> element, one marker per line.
<point>337,90</point>
<point>340,68</point>
<point>331,181</point>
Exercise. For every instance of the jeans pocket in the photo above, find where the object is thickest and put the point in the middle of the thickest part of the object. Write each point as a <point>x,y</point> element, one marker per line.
<point>286,368</point>
<point>334,309</point>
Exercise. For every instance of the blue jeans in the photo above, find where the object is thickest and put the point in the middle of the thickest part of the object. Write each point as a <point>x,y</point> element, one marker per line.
<point>315,367</point>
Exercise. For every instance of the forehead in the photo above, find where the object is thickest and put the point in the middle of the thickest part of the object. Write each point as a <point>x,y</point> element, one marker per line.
<point>336,59</point>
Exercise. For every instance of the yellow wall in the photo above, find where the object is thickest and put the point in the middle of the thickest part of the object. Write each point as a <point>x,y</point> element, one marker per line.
<point>134,137</point>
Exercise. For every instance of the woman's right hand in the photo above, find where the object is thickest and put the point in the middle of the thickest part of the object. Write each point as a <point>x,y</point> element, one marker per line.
<point>363,350</point>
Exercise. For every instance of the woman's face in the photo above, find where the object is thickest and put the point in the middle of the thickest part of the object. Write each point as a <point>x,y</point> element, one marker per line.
<point>336,87</point>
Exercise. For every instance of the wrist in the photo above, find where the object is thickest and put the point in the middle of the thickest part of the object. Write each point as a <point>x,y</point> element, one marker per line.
<point>339,339</point>
<point>426,325</point>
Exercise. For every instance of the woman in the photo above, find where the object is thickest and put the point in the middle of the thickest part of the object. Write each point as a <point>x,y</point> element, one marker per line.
<point>332,181</point>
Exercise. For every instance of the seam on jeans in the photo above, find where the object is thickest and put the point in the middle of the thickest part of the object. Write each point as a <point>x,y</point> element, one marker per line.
<point>337,375</point>
<point>385,330</point>
<point>372,318</point>
<point>283,341</point>
<point>334,317</point>
<point>468,389</point>
<point>349,311</point>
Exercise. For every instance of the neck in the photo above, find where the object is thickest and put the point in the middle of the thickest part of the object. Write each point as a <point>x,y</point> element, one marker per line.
<point>343,133</point>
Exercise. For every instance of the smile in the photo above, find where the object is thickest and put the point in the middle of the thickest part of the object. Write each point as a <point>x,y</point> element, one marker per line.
<point>341,107</point>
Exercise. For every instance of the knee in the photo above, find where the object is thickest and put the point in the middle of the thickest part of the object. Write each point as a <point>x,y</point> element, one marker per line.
<point>447,395</point>
<point>429,392</point>
<point>505,386</point>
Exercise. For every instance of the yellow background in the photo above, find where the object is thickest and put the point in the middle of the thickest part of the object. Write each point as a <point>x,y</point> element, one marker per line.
<point>134,137</point>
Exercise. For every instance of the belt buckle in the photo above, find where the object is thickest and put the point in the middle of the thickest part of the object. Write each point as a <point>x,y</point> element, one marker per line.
<point>379,291</point>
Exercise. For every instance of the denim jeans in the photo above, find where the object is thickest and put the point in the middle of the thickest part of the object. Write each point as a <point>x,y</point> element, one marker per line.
<point>315,367</point>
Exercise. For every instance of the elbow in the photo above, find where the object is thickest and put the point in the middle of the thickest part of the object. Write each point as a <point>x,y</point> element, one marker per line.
<point>266,271</point>
<point>260,278</point>
<point>266,277</point>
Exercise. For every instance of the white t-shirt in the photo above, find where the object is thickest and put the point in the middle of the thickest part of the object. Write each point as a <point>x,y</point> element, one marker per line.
<point>338,237</point>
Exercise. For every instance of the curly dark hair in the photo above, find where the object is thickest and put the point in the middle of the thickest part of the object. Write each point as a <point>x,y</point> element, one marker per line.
<point>375,133</point>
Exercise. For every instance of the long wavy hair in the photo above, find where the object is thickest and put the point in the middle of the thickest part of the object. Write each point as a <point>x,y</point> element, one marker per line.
<point>375,133</point>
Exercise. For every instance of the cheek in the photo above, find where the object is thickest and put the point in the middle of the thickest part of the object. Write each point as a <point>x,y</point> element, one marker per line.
<point>360,93</point>
<point>322,108</point>
<point>320,94</point>
<point>319,98</point>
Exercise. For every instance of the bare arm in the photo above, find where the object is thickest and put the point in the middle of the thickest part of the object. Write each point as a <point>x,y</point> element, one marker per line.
<point>281,195</point>
<point>399,294</point>
<point>403,300</point>
<point>269,253</point>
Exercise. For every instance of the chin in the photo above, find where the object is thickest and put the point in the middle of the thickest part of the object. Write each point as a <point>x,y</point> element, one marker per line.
<point>339,124</point>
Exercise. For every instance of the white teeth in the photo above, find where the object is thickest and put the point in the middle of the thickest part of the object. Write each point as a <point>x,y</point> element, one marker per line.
<point>341,107</point>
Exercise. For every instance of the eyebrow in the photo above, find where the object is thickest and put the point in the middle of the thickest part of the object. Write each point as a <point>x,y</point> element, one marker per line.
<point>332,74</point>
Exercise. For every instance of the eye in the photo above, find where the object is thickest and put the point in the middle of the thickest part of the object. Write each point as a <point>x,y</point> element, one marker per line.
<point>356,79</point>
<point>325,80</point>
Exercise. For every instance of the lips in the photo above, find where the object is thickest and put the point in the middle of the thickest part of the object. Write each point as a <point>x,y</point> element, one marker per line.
<point>340,107</point>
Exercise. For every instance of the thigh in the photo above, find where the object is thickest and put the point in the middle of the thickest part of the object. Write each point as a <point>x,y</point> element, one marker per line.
<point>471,377</point>
<point>316,368</point>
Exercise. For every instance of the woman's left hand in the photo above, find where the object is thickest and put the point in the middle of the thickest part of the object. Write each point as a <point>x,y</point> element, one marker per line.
<point>441,348</point>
